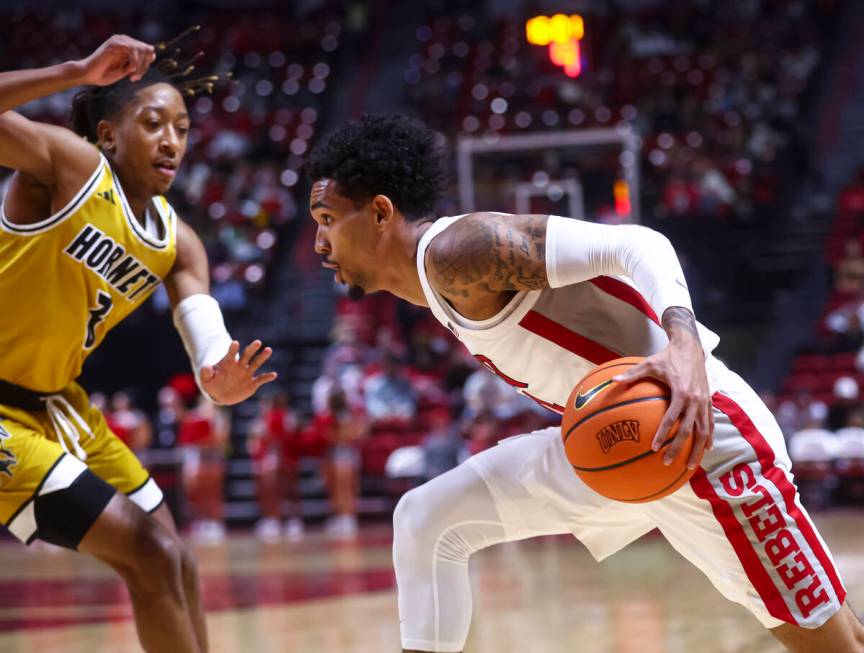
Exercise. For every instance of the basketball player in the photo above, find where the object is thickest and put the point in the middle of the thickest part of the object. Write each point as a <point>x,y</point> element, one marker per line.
<point>85,237</point>
<point>540,300</point>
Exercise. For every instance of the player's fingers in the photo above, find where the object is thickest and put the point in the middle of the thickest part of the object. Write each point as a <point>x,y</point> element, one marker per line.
<point>672,414</point>
<point>684,432</point>
<point>265,378</point>
<point>146,56</point>
<point>701,437</point>
<point>700,445</point>
<point>260,359</point>
<point>250,351</point>
<point>207,372</point>
<point>233,350</point>
<point>133,65</point>
<point>642,370</point>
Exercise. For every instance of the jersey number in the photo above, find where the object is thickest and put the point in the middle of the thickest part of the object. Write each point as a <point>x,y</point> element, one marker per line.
<point>97,314</point>
<point>519,385</point>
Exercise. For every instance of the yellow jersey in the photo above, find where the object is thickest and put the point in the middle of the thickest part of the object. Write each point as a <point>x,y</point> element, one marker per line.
<point>66,281</point>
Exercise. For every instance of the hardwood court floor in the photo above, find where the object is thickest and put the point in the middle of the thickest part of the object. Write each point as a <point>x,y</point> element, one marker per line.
<point>541,596</point>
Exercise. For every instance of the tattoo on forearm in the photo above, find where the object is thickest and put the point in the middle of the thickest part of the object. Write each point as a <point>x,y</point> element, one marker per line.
<point>678,318</point>
<point>492,254</point>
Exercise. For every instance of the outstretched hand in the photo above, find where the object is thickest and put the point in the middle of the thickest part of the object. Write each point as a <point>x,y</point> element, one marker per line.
<point>116,58</point>
<point>233,378</point>
<point>682,368</point>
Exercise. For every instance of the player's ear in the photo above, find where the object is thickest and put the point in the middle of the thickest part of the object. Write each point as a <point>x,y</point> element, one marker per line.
<point>106,136</point>
<point>383,208</point>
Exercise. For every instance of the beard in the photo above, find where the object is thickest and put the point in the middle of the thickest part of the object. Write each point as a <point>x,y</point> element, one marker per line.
<point>356,293</point>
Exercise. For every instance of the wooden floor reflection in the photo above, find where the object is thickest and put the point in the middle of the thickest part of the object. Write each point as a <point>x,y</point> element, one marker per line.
<point>542,596</point>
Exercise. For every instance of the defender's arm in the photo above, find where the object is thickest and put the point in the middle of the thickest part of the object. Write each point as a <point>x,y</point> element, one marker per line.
<point>222,373</point>
<point>47,151</point>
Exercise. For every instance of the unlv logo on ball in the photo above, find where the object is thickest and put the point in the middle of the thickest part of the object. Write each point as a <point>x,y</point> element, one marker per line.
<point>611,435</point>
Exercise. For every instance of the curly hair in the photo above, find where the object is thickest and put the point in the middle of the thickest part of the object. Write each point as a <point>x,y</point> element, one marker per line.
<point>93,104</point>
<point>388,154</point>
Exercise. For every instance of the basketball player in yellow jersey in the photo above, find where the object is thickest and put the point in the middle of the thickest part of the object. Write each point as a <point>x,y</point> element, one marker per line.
<point>85,237</point>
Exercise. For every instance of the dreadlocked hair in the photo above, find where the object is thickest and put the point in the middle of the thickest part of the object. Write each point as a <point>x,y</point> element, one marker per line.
<point>93,104</point>
<point>390,154</point>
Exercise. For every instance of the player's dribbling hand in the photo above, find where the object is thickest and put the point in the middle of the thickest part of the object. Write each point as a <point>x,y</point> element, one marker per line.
<point>233,379</point>
<point>118,57</point>
<point>681,366</point>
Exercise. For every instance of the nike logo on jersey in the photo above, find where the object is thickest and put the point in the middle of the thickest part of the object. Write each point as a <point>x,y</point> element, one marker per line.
<point>582,399</point>
<point>126,274</point>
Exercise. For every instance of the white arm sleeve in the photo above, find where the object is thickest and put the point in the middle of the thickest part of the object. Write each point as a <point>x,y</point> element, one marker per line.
<point>199,321</point>
<point>577,251</point>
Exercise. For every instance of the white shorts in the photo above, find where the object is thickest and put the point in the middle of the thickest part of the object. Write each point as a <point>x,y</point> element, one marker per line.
<point>739,520</point>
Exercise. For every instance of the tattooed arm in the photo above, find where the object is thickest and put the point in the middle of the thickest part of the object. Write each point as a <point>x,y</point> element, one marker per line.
<point>489,253</point>
<point>480,260</point>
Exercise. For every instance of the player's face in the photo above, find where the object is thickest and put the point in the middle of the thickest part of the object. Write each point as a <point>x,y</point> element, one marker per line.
<point>345,236</point>
<point>151,138</point>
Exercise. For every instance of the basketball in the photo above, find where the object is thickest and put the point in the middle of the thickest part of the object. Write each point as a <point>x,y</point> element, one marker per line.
<point>608,428</point>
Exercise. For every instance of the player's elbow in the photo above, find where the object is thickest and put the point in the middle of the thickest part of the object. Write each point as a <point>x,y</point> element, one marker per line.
<point>647,238</point>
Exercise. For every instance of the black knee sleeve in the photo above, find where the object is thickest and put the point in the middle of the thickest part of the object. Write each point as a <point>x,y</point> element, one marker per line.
<point>64,517</point>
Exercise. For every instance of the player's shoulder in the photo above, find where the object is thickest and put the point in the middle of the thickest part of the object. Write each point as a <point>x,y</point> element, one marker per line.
<point>463,238</point>
<point>478,234</point>
<point>481,248</point>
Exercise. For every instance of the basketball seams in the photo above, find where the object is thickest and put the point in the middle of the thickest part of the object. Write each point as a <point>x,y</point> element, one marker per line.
<point>684,473</point>
<point>603,368</point>
<point>637,457</point>
<point>600,411</point>
<point>637,408</point>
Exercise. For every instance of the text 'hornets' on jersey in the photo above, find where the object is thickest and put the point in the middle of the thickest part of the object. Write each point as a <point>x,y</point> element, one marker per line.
<point>127,275</point>
<point>69,279</point>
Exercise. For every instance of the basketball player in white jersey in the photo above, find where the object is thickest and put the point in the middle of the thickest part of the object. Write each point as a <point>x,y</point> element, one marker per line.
<point>540,300</point>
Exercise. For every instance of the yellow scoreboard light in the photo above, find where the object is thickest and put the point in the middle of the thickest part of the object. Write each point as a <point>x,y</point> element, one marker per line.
<point>562,34</point>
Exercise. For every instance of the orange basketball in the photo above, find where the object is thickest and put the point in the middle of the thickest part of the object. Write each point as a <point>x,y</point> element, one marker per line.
<point>608,428</point>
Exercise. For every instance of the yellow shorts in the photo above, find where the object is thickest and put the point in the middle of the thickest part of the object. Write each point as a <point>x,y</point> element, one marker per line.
<point>42,452</point>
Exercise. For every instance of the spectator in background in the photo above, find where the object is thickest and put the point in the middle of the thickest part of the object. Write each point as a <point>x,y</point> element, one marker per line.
<point>343,366</point>
<point>715,194</point>
<point>342,428</point>
<point>273,445</point>
<point>442,444</point>
<point>170,413</point>
<point>846,401</point>
<point>203,435</point>
<point>389,396</point>
<point>802,412</point>
<point>128,423</point>
<point>849,270</point>
<point>482,430</point>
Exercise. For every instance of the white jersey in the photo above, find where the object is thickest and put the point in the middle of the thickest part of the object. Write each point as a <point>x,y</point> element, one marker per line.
<point>739,519</point>
<point>544,341</point>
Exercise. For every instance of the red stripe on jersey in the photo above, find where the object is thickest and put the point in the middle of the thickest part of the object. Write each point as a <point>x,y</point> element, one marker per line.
<point>777,476</point>
<point>626,293</point>
<point>569,340</point>
<point>750,560</point>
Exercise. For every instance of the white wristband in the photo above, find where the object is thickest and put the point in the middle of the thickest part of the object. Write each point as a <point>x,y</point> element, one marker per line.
<point>199,321</point>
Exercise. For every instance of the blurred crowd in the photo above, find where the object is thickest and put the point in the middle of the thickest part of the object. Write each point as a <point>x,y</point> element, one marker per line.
<point>713,89</point>
<point>821,403</point>
<point>237,185</point>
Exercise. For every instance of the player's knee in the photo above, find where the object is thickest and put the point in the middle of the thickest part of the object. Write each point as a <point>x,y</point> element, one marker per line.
<point>156,563</point>
<point>413,519</point>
